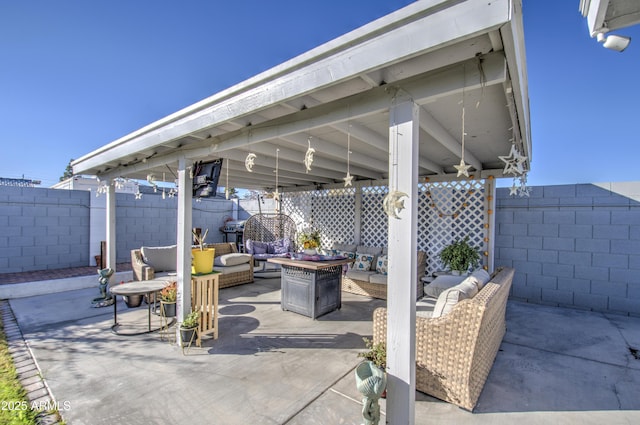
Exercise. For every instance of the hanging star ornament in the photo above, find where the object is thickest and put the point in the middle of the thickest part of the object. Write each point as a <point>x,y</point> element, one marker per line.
<point>276,195</point>
<point>514,189</point>
<point>138,194</point>
<point>463,169</point>
<point>248,162</point>
<point>514,162</point>
<point>348,180</point>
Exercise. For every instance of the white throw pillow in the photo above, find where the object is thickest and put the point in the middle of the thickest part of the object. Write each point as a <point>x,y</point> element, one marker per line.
<point>363,261</point>
<point>450,297</point>
<point>233,259</point>
<point>382,264</point>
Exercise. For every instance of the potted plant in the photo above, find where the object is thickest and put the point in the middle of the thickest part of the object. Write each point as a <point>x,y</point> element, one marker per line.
<point>371,375</point>
<point>168,296</point>
<point>189,327</point>
<point>377,353</point>
<point>459,256</point>
<point>202,257</point>
<point>310,241</point>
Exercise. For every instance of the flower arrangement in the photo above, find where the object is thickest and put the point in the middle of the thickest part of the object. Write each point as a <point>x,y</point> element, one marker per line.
<point>169,293</point>
<point>310,239</point>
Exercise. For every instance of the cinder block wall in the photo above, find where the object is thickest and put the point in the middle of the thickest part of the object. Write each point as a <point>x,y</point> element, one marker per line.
<point>43,228</point>
<point>573,246</point>
<point>152,221</point>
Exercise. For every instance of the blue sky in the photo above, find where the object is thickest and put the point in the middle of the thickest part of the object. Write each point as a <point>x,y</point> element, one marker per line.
<point>76,75</point>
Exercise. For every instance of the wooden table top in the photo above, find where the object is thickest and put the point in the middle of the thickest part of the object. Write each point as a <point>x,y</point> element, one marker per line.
<point>310,265</point>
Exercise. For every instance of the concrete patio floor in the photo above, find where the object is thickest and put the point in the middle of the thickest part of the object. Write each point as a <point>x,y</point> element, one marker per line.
<point>268,366</point>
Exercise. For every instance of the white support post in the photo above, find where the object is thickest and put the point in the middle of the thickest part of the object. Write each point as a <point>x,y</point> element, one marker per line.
<point>111,225</point>
<point>183,304</point>
<point>401,303</point>
<point>490,221</point>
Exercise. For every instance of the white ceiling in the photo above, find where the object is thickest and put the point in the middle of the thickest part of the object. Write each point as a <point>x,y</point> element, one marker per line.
<point>432,52</point>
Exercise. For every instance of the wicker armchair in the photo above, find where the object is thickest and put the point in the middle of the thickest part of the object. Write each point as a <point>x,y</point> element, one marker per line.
<point>455,352</point>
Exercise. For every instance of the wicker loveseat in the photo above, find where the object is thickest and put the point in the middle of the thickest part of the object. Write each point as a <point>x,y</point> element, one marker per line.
<point>455,352</point>
<point>230,275</point>
<point>374,284</point>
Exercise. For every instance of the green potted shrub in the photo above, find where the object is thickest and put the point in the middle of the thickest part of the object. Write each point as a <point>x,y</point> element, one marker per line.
<point>189,327</point>
<point>460,256</point>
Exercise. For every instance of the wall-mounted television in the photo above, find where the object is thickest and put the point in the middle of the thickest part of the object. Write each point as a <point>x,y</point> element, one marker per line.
<point>205,178</point>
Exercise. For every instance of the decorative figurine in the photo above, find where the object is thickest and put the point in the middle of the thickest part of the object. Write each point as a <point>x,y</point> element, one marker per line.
<point>371,381</point>
<point>105,299</point>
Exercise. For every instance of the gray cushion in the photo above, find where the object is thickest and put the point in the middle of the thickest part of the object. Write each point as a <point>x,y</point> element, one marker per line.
<point>232,269</point>
<point>450,297</point>
<point>359,275</point>
<point>482,276</point>
<point>374,250</point>
<point>232,259</point>
<point>161,258</point>
<point>378,278</point>
<point>344,247</point>
<point>442,283</point>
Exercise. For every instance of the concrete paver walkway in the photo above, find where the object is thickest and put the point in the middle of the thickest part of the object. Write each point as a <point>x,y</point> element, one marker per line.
<point>273,367</point>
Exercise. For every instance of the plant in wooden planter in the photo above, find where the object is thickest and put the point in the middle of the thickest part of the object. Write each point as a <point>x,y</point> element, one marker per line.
<point>460,256</point>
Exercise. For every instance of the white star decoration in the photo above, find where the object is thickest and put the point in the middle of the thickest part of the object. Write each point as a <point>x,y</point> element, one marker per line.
<point>276,195</point>
<point>138,194</point>
<point>513,163</point>
<point>514,189</point>
<point>348,180</point>
<point>463,169</point>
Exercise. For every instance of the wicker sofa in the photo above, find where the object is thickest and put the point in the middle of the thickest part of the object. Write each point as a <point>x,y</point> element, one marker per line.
<point>231,275</point>
<point>375,285</point>
<point>455,352</point>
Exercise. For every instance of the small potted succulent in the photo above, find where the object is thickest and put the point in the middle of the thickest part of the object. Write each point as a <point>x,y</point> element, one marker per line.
<point>189,327</point>
<point>460,256</point>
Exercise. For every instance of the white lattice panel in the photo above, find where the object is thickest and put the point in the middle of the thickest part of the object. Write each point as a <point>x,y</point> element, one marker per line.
<point>447,211</point>
<point>374,221</point>
<point>331,211</point>
<point>450,211</point>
